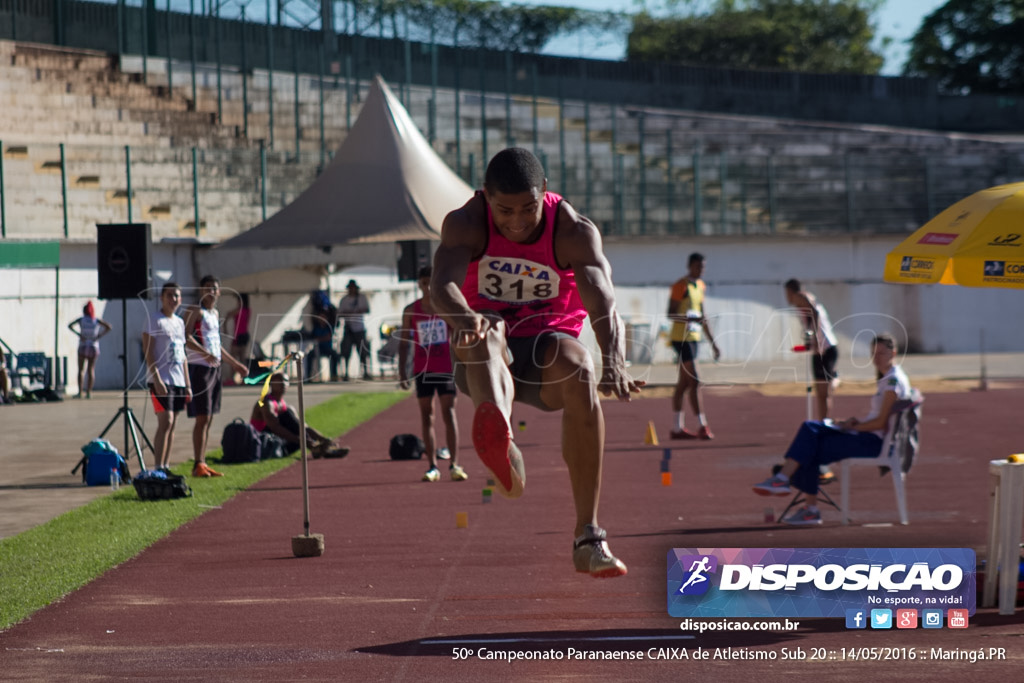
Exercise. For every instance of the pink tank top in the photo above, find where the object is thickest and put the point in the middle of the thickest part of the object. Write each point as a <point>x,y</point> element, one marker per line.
<point>258,423</point>
<point>524,283</point>
<point>431,350</point>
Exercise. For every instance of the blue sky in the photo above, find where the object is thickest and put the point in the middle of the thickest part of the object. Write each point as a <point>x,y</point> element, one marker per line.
<point>897,19</point>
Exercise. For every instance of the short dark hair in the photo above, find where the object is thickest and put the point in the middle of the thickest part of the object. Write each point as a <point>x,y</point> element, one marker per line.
<point>170,284</point>
<point>208,280</point>
<point>425,271</point>
<point>694,257</point>
<point>514,170</point>
<point>793,285</point>
<point>886,340</point>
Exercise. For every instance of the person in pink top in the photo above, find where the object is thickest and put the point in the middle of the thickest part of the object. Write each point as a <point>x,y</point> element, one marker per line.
<point>427,334</point>
<point>272,414</point>
<point>517,271</point>
<point>237,321</point>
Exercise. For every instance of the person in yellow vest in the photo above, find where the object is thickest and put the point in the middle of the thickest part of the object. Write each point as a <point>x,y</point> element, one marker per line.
<point>689,321</point>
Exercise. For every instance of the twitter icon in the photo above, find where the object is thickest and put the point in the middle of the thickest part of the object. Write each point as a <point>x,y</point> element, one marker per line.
<point>881,618</point>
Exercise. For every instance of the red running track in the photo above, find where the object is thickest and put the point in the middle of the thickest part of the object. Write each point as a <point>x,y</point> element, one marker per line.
<point>399,587</point>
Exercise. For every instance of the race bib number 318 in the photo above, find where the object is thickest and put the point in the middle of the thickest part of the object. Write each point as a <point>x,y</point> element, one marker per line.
<point>516,281</point>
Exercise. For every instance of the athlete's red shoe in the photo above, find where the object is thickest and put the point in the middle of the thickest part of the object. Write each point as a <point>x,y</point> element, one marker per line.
<point>492,439</point>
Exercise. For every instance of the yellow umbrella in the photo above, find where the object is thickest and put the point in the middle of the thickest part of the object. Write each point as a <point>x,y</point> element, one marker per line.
<point>977,242</point>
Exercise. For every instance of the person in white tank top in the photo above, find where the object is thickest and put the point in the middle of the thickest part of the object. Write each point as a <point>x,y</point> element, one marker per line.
<point>90,330</point>
<point>822,341</point>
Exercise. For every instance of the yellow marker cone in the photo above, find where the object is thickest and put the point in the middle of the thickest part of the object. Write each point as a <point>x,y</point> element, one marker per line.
<point>666,478</point>
<point>461,520</point>
<point>651,437</point>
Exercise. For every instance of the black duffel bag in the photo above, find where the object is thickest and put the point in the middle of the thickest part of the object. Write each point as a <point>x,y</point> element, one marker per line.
<point>157,485</point>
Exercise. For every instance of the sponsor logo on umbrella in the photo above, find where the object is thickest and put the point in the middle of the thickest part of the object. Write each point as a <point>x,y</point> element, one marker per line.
<point>941,238</point>
<point>995,268</point>
<point>913,263</point>
<point>959,218</point>
<point>1008,240</point>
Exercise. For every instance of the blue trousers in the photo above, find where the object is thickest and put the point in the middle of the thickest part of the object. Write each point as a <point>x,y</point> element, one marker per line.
<point>819,444</point>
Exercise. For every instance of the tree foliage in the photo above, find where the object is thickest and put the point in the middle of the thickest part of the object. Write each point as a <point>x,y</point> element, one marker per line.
<point>971,46</point>
<point>480,23</point>
<point>827,36</point>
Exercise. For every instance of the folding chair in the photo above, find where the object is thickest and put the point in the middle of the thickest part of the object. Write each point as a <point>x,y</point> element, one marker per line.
<point>798,498</point>
<point>29,369</point>
<point>895,457</point>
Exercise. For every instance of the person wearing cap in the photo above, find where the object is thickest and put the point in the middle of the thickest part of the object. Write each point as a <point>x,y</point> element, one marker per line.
<point>351,310</point>
<point>90,330</point>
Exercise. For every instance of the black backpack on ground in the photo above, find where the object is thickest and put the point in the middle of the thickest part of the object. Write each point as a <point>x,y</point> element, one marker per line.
<point>406,447</point>
<point>157,485</point>
<point>241,442</point>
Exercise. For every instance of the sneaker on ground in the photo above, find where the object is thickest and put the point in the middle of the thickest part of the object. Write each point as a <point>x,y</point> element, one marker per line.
<point>772,487</point>
<point>492,440</point>
<point>590,555</point>
<point>433,474</point>
<point>458,474</point>
<point>705,433</point>
<point>444,454</point>
<point>803,517</point>
<point>203,470</point>
<point>681,434</point>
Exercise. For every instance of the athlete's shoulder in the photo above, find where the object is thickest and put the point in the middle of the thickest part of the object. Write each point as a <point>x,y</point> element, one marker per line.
<point>466,226</point>
<point>469,213</point>
<point>572,227</point>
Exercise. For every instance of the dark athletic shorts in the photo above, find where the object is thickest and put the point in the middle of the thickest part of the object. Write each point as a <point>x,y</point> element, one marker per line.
<point>429,383</point>
<point>687,351</point>
<point>205,390</point>
<point>174,401</point>
<point>527,357</point>
<point>823,365</point>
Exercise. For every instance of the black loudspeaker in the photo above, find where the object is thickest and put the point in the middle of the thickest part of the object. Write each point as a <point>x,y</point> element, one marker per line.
<point>123,260</point>
<point>412,255</point>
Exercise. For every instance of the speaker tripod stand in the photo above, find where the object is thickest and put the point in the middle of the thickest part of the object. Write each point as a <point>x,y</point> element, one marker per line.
<point>132,428</point>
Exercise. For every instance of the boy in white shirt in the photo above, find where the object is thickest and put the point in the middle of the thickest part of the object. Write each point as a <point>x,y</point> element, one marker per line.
<point>163,342</point>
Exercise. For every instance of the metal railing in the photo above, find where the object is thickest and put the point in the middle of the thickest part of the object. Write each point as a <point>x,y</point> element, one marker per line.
<point>63,190</point>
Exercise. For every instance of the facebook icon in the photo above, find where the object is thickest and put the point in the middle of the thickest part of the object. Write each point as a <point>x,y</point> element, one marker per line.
<point>856,618</point>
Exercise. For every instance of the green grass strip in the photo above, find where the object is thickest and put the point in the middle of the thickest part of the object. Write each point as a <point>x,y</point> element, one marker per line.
<point>46,563</point>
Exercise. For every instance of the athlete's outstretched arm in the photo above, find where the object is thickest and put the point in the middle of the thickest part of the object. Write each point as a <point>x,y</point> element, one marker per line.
<point>461,240</point>
<point>578,242</point>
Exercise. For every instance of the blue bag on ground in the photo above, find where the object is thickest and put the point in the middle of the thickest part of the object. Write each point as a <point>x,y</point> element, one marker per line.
<point>100,457</point>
